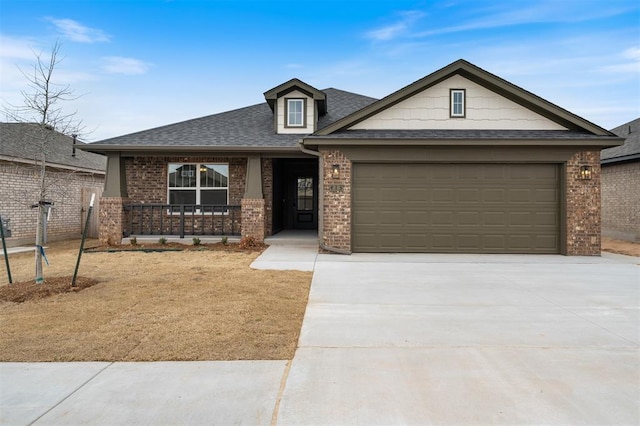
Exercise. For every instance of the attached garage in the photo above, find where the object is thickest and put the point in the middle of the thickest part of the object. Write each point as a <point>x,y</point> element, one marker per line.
<point>461,208</point>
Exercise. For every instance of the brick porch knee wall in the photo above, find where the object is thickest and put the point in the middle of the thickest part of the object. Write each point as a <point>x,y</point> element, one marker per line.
<point>253,218</point>
<point>336,208</point>
<point>583,205</point>
<point>113,219</point>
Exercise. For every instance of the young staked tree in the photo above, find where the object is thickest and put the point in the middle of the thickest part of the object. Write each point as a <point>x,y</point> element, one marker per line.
<point>42,108</point>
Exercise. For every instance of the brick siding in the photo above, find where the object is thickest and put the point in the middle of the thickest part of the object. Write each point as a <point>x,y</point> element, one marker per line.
<point>267,193</point>
<point>253,213</point>
<point>112,219</point>
<point>336,208</point>
<point>583,205</point>
<point>147,177</point>
<point>19,189</point>
<point>621,201</point>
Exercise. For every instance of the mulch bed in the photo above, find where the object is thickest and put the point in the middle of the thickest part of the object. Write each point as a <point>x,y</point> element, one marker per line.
<point>29,290</point>
<point>157,247</point>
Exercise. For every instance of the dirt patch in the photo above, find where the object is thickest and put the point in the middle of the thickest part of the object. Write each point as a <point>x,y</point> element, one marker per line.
<point>28,290</point>
<point>186,305</point>
<point>621,247</point>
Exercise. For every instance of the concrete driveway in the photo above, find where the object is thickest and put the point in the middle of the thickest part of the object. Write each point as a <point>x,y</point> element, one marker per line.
<point>390,339</point>
<point>461,339</point>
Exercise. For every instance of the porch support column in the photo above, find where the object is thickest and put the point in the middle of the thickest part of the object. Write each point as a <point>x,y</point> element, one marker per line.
<point>253,208</point>
<point>112,217</point>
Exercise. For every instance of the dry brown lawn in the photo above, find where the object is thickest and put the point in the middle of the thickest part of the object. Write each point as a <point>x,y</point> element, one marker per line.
<point>190,305</point>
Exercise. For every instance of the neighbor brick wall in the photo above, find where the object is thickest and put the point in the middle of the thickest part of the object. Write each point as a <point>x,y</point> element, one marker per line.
<point>19,189</point>
<point>583,206</point>
<point>336,209</point>
<point>621,201</point>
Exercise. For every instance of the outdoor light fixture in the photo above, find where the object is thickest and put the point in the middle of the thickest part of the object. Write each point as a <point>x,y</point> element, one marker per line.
<point>335,171</point>
<point>585,172</point>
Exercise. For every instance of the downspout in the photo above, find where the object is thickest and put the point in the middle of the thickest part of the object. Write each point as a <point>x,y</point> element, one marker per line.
<point>320,200</point>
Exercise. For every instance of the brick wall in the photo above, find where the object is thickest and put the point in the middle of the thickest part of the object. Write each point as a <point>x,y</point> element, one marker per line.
<point>253,220</point>
<point>147,177</point>
<point>583,205</point>
<point>112,219</point>
<point>267,193</point>
<point>621,201</point>
<point>19,189</point>
<point>336,209</point>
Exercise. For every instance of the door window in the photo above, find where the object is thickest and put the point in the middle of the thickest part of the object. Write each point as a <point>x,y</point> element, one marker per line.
<point>305,194</point>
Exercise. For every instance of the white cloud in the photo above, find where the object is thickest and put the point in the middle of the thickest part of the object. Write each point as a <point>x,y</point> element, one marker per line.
<point>128,66</point>
<point>631,64</point>
<point>75,31</point>
<point>394,30</point>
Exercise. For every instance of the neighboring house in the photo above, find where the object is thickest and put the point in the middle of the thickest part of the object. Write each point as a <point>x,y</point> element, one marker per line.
<point>460,161</point>
<point>71,176</point>
<point>621,185</point>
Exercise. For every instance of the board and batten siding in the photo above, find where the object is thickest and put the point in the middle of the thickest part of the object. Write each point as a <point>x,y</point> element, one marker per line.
<point>485,109</point>
<point>310,118</point>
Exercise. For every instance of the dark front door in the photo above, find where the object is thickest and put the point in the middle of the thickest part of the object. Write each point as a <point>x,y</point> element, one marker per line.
<point>303,198</point>
<point>295,194</point>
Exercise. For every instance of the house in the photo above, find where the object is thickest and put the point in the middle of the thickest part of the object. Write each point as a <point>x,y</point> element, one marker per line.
<point>71,177</point>
<point>621,185</point>
<point>460,161</point>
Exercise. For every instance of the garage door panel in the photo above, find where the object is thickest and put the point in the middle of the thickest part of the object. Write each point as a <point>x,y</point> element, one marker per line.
<point>474,208</point>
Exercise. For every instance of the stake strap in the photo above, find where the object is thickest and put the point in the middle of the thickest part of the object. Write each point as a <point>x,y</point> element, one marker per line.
<point>43,254</point>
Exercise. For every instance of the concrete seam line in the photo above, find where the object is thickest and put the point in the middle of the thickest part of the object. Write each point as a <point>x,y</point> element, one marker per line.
<point>72,393</point>
<point>283,383</point>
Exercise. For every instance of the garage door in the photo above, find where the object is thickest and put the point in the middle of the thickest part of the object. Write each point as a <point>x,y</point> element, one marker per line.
<point>456,208</point>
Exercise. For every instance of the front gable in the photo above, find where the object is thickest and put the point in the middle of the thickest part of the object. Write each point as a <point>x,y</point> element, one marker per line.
<point>481,109</point>
<point>491,103</point>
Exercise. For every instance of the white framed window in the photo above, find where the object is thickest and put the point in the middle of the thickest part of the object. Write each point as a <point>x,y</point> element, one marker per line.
<point>198,183</point>
<point>457,102</point>
<point>295,112</point>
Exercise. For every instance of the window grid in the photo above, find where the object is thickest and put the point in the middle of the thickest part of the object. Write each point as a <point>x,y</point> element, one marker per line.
<point>457,101</point>
<point>295,112</point>
<point>198,183</point>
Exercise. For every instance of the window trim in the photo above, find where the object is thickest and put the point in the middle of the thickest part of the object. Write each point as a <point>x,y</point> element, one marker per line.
<point>452,92</point>
<point>197,188</point>
<point>287,124</point>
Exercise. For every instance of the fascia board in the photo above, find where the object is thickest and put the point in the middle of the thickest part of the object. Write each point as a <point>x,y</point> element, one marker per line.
<point>600,143</point>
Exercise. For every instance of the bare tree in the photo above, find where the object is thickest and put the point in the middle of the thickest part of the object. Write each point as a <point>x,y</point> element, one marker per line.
<point>42,107</point>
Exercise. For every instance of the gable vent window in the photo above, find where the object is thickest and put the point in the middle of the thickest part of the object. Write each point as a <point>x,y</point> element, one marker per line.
<point>295,112</point>
<point>458,103</point>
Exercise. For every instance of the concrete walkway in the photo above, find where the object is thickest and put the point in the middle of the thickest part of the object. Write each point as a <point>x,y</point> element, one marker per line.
<point>289,251</point>
<point>391,339</point>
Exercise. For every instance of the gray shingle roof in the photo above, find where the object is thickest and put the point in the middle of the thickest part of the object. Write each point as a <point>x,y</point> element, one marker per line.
<point>630,150</point>
<point>251,126</point>
<point>458,134</point>
<point>24,141</point>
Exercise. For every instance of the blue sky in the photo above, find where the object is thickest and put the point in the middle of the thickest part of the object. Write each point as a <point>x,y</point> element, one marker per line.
<point>142,64</point>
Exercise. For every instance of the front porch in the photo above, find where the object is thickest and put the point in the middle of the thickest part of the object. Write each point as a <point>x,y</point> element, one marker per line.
<point>264,197</point>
